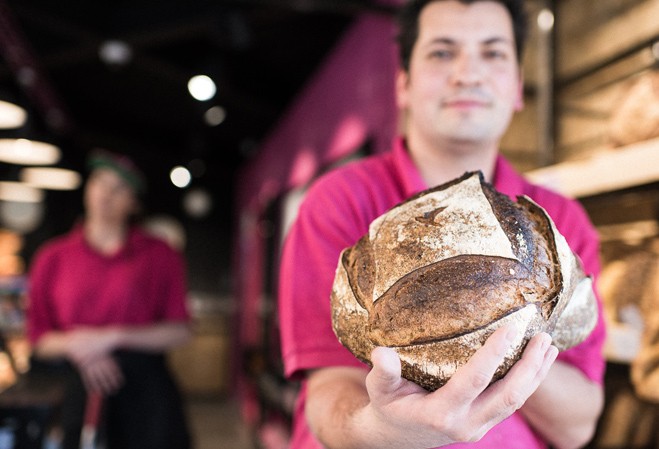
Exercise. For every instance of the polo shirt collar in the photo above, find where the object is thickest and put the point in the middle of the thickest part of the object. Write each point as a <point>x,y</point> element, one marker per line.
<point>409,175</point>
<point>133,237</point>
<point>506,179</point>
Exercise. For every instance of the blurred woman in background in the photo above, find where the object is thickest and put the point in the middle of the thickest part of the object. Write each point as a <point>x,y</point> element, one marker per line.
<point>106,301</point>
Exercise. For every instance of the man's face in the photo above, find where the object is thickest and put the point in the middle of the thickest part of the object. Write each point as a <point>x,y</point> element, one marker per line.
<point>108,197</point>
<point>464,82</point>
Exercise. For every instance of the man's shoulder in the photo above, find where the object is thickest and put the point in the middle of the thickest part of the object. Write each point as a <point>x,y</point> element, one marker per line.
<point>551,199</point>
<point>544,194</point>
<point>361,166</point>
<point>147,241</point>
<point>53,252</point>
<point>372,170</point>
<point>59,243</point>
<point>352,195</point>
<point>567,213</point>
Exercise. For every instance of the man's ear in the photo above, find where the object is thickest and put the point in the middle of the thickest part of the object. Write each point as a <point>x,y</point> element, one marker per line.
<point>402,82</point>
<point>519,101</point>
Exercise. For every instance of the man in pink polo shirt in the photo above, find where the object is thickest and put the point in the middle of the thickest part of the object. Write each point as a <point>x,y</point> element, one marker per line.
<point>459,85</point>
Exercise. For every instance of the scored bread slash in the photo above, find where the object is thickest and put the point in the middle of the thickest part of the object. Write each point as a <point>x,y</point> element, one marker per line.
<point>440,272</point>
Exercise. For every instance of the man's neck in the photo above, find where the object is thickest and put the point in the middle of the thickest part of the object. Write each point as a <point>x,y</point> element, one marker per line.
<point>106,238</point>
<point>444,161</point>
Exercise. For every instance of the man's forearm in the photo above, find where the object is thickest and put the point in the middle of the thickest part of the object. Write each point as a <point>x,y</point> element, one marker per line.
<point>153,338</point>
<point>347,408</point>
<point>52,345</point>
<point>329,409</point>
<point>83,343</point>
<point>565,408</point>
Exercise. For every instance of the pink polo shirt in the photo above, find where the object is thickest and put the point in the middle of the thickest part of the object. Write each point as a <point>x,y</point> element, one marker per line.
<point>336,212</point>
<point>71,284</point>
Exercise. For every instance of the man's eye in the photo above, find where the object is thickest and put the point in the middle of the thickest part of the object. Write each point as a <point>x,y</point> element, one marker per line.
<point>496,54</point>
<point>441,54</point>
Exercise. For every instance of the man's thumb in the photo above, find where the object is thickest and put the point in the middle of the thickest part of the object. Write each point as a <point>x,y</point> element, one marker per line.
<point>385,374</point>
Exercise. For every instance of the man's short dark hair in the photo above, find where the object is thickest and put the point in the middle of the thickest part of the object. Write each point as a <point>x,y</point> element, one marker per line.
<point>408,23</point>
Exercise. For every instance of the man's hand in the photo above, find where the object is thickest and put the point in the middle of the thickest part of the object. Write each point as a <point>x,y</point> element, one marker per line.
<point>102,375</point>
<point>385,410</point>
<point>90,350</point>
<point>84,345</point>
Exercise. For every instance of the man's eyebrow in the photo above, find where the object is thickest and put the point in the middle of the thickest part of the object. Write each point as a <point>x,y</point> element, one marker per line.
<point>442,40</point>
<point>498,40</point>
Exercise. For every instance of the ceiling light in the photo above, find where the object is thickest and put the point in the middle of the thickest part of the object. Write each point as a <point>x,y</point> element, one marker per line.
<point>51,178</point>
<point>115,52</point>
<point>198,203</point>
<point>215,115</point>
<point>545,19</point>
<point>19,192</point>
<point>180,177</point>
<point>21,217</point>
<point>28,152</point>
<point>202,87</point>
<point>11,115</point>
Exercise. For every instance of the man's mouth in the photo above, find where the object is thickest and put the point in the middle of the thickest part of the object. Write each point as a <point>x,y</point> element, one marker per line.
<point>466,103</point>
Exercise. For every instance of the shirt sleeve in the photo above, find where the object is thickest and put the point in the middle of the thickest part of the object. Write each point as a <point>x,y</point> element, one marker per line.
<point>323,228</point>
<point>173,286</point>
<point>39,317</point>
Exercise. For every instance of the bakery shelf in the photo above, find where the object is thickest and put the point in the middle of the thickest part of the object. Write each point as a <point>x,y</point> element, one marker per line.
<point>609,170</point>
<point>623,342</point>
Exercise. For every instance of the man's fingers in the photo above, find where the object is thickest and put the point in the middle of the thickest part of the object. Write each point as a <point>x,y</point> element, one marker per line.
<point>103,376</point>
<point>535,363</point>
<point>386,369</point>
<point>510,393</point>
<point>473,378</point>
<point>384,382</point>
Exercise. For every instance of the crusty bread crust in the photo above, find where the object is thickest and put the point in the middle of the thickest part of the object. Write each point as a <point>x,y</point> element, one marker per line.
<point>438,273</point>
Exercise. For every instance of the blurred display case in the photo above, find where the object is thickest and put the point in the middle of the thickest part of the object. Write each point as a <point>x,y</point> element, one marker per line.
<point>202,366</point>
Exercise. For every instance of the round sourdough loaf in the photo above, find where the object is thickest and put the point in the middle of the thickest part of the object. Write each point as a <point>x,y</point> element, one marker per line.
<point>438,273</point>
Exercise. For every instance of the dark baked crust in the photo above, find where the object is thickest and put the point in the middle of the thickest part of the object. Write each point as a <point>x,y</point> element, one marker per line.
<point>439,308</point>
<point>447,299</point>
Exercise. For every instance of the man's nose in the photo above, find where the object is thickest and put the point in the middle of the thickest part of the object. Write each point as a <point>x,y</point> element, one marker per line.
<point>468,70</point>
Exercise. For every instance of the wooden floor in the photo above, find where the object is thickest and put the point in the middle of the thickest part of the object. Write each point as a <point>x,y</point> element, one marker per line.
<point>216,424</point>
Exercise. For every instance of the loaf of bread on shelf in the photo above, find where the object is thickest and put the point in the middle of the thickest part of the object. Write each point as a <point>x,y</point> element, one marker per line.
<point>437,274</point>
<point>635,116</point>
